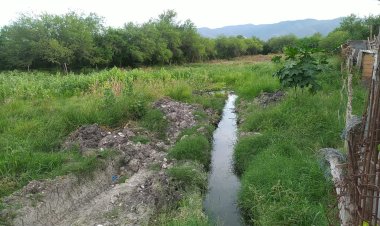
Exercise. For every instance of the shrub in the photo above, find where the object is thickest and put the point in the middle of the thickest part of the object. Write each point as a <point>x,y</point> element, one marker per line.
<point>300,69</point>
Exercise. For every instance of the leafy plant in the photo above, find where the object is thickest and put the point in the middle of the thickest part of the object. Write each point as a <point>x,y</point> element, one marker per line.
<point>300,68</point>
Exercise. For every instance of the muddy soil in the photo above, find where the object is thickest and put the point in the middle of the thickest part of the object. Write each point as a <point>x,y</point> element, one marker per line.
<point>126,191</point>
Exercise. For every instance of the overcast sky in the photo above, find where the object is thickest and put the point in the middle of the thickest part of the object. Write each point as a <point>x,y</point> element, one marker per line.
<point>204,13</point>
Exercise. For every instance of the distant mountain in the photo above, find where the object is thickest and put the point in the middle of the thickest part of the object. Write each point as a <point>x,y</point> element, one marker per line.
<point>300,28</point>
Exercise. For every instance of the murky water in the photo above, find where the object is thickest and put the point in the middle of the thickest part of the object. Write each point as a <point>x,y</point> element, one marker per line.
<point>221,200</point>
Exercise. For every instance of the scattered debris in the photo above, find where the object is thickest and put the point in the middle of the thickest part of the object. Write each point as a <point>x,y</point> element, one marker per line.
<point>85,138</point>
<point>72,200</point>
<point>179,115</point>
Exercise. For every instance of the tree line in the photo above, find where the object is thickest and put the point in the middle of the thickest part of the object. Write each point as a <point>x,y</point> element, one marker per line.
<point>75,41</point>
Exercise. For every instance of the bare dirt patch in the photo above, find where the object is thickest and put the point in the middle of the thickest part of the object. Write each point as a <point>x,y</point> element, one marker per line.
<point>126,191</point>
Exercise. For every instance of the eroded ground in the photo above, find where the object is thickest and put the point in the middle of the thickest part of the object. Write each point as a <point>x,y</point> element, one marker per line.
<point>126,190</point>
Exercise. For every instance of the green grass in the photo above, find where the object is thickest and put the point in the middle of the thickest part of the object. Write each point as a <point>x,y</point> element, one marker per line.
<point>181,92</point>
<point>17,168</point>
<point>282,180</point>
<point>194,147</point>
<point>39,110</point>
<point>155,121</point>
<point>188,213</point>
<point>256,80</point>
<point>188,175</point>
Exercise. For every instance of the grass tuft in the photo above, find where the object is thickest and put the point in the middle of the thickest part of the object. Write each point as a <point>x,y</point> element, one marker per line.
<point>195,147</point>
<point>188,175</point>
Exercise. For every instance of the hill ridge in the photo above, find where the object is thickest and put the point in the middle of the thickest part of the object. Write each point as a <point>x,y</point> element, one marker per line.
<point>300,28</point>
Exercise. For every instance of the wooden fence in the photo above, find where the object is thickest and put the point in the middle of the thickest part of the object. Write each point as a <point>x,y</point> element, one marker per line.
<point>363,172</point>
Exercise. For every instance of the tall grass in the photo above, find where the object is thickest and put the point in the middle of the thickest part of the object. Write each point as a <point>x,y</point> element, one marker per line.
<point>38,110</point>
<point>282,181</point>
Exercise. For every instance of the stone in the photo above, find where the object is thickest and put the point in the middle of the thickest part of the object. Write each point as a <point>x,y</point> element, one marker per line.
<point>134,165</point>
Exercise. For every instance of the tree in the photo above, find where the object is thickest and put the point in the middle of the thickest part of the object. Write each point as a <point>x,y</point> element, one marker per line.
<point>277,44</point>
<point>192,46</point>
<point>334,40</point>
<point>254,45</point>
<point>311,41</point>
<point>354,26</point>
<point>229,47</point>
<point>359,28</point>
<point>46,40</point>
<point>20,43</point>
<point>53,52</point>
<point>169,31</point>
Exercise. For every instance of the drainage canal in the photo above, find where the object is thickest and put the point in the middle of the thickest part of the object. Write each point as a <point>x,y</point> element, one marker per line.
<point>220,203</point>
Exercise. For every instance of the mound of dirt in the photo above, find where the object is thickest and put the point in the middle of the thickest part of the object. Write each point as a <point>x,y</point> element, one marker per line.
<point>180,116</point>
<point>85,138</point>
<point>126,192</point>
<point>267,98</point>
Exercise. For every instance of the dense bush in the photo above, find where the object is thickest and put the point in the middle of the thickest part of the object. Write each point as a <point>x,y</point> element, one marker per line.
<point>80,42</point>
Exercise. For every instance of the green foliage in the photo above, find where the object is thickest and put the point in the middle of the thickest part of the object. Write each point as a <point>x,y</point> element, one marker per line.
<point>137,109</point>
<point>294,190</point>
<point>43,40</point>
<point>109,98</point>
<point>155,121</point>
<point>229,47</point>
<point>195,147</point>
<point>181,92</point>
<point>256,81</point>
<point>18,167</point>
<point>310,42</point>
<point>285,197</point>
<point>188,175</point>
<point>300,69</point>
<point>359,28</point>
<point>188,213</point>
<point>247,148</point>
<point>334,40</point>
<point>277,44</point>
<point>77,41</point>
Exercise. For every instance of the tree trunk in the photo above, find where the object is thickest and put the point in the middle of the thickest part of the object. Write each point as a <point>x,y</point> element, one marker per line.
<point>65,68</point>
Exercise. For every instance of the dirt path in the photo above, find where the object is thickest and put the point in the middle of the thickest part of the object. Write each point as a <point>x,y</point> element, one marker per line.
<point>122,204</point>
<point>105,199</point>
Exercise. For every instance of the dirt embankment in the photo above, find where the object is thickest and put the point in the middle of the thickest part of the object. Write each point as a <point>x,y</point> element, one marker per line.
<point>126,191</point>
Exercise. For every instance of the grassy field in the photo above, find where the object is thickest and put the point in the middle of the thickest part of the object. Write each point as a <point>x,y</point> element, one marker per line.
<point>282,179</point>
<point>282,182</point>
<point>38,110</point>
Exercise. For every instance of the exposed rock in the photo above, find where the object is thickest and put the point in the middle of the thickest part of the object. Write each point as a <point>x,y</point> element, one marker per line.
<point>134,165</point>
<point>128,132</point>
